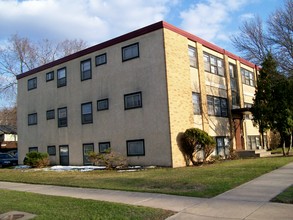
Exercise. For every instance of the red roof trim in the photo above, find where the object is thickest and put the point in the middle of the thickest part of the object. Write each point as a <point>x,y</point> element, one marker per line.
<point>133,34</point>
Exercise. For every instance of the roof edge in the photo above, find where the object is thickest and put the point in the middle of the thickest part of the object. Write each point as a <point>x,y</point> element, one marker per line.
<point>133,34</point>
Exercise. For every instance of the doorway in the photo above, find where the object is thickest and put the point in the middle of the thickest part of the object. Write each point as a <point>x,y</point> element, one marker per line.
<point>64,155</point>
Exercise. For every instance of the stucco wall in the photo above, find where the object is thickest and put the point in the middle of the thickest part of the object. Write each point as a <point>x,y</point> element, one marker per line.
<point>145,74</point>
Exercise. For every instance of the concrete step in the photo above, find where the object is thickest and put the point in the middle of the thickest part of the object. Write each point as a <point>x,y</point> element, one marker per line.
<point>253,153</point>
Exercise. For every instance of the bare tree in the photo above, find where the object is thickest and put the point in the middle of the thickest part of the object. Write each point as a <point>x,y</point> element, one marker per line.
<point>255,42</point>
<point>21,54</point>
<point>8,116</point>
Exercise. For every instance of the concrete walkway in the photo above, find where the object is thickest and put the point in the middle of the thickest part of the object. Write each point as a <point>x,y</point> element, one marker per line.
<point>248,201</point>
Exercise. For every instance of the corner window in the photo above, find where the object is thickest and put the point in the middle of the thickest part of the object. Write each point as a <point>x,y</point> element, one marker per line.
<point>130,52</point>
<point>32,83</point>
<point>61,77</point>
<point>135,148</point>
<point>62,117</point>
<point>104,146</point>
<point>86,69</point>
<point>253,142</point>
<point>196,103</point>
<point>192,56</point>
<point>213,64</point>
<point>33,119</point>
<point>33,149</point>
<point>50,76</point>
<point>51,150</point>
<point>217,106</point>
<point>102,104</point>
<point>133,100</point>
<point>247,77</point>
<point>101,59</point>
<point>86,113</point>
<point>87,148</point>
<point>50,114</point>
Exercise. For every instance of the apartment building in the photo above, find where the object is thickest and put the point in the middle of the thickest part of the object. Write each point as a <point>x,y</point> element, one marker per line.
<point>136,93</point>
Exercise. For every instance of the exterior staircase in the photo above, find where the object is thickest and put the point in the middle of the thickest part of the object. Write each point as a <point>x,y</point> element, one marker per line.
<point>254,153</point>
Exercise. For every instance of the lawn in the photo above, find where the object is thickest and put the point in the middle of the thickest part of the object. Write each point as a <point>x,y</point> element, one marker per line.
<point>54,207</point>
<point>206,181</point>
<point>285,197</point>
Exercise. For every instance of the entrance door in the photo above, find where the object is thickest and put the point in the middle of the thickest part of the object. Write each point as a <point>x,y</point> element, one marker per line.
<point>238,134</point>
<point>64,155</point>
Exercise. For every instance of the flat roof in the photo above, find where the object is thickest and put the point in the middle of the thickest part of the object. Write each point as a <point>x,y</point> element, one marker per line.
<point>133,34</point>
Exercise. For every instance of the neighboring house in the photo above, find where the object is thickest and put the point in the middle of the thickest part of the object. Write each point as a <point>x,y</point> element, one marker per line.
<point>8,138</point>
<point>136,93</point>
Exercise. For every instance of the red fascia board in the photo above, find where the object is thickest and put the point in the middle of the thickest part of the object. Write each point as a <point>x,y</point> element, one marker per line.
<point>122,38</point>
<point>207,44</point>
<point>133,34</point>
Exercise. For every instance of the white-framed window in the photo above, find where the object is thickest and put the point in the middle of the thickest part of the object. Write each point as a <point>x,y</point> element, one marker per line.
<point>86,113</point>
<point>104,146</point>
<point>101,59</point>
<point>133,100</point>
<point>196,103</point>
<point>32,119</point>
<point>86,69</point>
<point>32,83</point>
<point>213,64</point>
<point>192,56</point>
<point>247,77</point>
<point>135,147</point>
<point>87,148</point>
<point>217,106</point>
<point>102,104</point>
<point>130,52</point>
<point>61,77</point>
<point>62,117</point>
<point>50,76</point>
<point>50,114</point>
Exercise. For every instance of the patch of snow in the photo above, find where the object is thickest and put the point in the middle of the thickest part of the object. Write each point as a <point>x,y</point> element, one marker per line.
<point>74,168</point>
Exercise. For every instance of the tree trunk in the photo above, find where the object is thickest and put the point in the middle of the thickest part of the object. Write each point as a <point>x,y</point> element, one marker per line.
<point>282,144</point>
<point>262,140</point>
<point>290,144</point>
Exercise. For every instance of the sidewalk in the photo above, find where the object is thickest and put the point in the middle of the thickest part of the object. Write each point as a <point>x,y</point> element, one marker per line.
<point>248,201</point>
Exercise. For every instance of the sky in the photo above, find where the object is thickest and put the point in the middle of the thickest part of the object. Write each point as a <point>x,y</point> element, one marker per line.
<point>95,21</point>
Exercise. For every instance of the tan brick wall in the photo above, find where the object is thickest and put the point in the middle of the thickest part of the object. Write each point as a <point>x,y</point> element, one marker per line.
<point>179,90</point>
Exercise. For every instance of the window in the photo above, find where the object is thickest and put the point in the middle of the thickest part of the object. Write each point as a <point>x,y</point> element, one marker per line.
<point>222,146</point>
<point>102,104</point>
<point>50,114</point>
<point>51,150</point>
<point>86,113</point>
<point>192,56</point>
<point>247,77</point>
<point>235,99</point>
<point>33,119</point>
<point>86,69</point>
<point>132,100</point>
<point>87,148</point>
<point>50,76</point>
<point>103,146</point>
<point>32,149</point>
<point>62,117</point>
<point>32,83</point>
<point>101,59</point>
<point>196,103</point>
<point>130,52</point>
<point>233,77</point>
<point>61,77</point>
<point>213,64</point>
<point>135,148</point>
<point>253,142</point>
<point>217,106</point>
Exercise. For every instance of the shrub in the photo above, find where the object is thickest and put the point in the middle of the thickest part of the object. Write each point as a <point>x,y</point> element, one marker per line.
<point>110,159</point>
<point>36,159</point>
<point>195,140</point>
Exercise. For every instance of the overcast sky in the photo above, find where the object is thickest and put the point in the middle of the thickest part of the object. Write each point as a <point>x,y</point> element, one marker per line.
<point>98,20</point>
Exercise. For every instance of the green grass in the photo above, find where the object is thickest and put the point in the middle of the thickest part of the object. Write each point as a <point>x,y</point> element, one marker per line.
<point>206,181</point>
<point>54,207</point>
<point>285,197</point>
